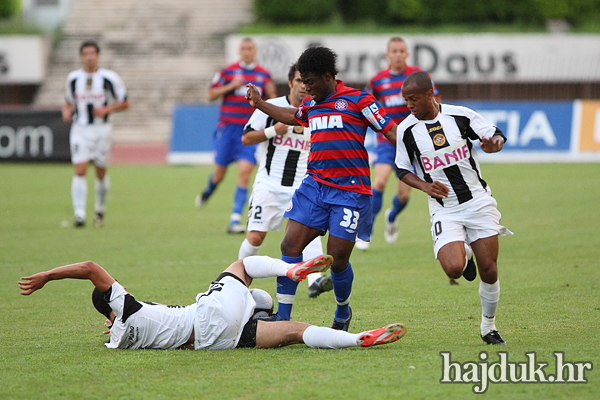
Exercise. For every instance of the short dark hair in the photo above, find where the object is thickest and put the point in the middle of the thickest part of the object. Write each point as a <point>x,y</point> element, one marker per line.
<point>89,43</point>
<point>100,303</point>
<point>292,72</point>
<point>318,61</point>
<point>420,79</point>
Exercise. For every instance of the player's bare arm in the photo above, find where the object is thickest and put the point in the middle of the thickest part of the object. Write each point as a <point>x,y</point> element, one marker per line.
<point>83,270</point>
<point>282,114</point>
<point>435,189</point>
<point>216,92</point>
<point>391,134</point>
<point>255,137</point>
<point>101,112</point>
<point>67,112</point>
<point>492,144</point>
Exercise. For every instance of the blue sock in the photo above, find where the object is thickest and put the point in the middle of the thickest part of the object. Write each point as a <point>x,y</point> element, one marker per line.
<point>397,207</point>
<point>210,187</point>
<point>377,202</point>
<point>342,288</point>
<point>239,200</point>
<point>286,290</point>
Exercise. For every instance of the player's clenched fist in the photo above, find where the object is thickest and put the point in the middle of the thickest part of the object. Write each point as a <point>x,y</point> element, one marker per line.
<point>252,95</point>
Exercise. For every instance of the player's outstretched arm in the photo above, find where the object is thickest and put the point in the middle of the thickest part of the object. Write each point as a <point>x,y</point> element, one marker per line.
<point>259,136</point>
<point>435,189</point>
<point>83,270</point>
<point>284,115</point>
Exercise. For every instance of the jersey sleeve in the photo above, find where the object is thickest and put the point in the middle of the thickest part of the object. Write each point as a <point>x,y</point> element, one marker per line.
<point>374,114</point>
<point>302,112</point>
<point>481,126</point>
<point>69,89</point>
<point>403,162</point>
<point>219,79</point>
<point>120,91</point>
<point>257,121</point>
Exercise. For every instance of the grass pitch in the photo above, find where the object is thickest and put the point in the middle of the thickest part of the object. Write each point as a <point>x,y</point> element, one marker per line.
<point>163,249</point>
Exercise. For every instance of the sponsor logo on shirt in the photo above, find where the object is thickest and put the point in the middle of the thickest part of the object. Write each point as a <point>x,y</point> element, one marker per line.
<point>326,122</point>
<point>294,143</point>
<point>373,115</point>
<point>445,157</point>
<point>394,100</point>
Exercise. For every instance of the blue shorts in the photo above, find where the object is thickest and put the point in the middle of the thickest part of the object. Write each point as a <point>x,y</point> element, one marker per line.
<point>228,147</point>
<point>385,153</point>
<point>345,214</point>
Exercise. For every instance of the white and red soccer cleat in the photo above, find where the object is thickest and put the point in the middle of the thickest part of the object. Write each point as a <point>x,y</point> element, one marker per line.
<point>387,334</point>
<point>318,264</point>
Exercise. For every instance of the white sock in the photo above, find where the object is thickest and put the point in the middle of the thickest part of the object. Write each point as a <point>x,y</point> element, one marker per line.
<point>312,250</point>
<point>489,294</point>
<point>246,250</point>
<point>327,338</point>
<point>265,267</point>
<point>79,195</point>
<point>101,186</point>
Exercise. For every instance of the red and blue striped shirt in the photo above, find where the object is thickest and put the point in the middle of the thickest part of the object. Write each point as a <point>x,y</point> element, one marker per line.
<point>386,87</point>
<point>235,108</point>
<point>338,157</point>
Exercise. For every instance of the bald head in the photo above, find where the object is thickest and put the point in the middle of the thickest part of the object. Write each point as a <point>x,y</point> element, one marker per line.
<point>418,81</point>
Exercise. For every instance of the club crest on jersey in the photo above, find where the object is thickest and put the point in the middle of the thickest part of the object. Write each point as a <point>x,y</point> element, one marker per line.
<point>445,157</point>
<point>298,129</point>
<point>341,104</point>
<point>439,139</point>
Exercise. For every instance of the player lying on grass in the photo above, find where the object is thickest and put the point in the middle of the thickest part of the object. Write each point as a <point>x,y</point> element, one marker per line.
<point>221,318</point>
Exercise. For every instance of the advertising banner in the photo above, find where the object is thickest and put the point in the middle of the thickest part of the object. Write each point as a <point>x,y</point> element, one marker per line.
<point>30,135</point>
<point>449,58</point>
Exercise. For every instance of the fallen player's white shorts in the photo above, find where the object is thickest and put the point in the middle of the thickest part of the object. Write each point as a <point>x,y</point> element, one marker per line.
<point>90,143</point>
<point>476,219</point>
<point>266,209</point>
<point>221,314</point>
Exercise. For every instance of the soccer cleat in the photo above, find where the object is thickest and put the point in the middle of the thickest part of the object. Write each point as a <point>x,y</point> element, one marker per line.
<point>391,228</point>
<point>79,222</point>
<point>342,325</point>
<point>99,220</point>
<point>299,271</point>
<point>362,244</point>
<point>385,335</point>
<point>493,337</point>
<point>201,200</point>
<point>321,285</point>
<point>470,271</point>
<point>235,228</point>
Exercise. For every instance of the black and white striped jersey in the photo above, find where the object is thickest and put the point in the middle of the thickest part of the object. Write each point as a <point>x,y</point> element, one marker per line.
<point>282,159</point>
<point>441,150</point>
<point>89,90</point>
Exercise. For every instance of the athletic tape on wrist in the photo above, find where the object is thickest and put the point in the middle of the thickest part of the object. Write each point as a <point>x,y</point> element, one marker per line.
<point>270,132</point>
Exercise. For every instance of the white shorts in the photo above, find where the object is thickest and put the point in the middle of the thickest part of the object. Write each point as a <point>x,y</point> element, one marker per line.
<point>477,219</point>
<point>221,314</point>
<point>90,143</point>
<point>266,209</point>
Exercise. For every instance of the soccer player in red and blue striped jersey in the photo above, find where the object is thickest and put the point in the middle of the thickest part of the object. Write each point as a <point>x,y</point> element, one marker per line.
<point>385,86</point>
<point>335,195</point>
<point>234,113</point>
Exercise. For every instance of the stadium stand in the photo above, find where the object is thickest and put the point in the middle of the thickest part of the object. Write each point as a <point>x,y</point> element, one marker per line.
<point>166,52</point>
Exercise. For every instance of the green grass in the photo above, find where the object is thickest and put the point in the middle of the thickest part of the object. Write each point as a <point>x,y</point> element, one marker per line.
<point>163,249</point>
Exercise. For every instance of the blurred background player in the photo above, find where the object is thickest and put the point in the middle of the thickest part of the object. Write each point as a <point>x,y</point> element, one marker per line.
<point>230,83</point>
<point>221,318</point>
<point>282,154</point>
<point>385,86</point>
<point>91,94</point>
<point>464,215</point>
<point>335,194</point>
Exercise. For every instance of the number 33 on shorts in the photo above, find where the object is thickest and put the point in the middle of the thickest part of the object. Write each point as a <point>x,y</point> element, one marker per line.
<point>350,219</point>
